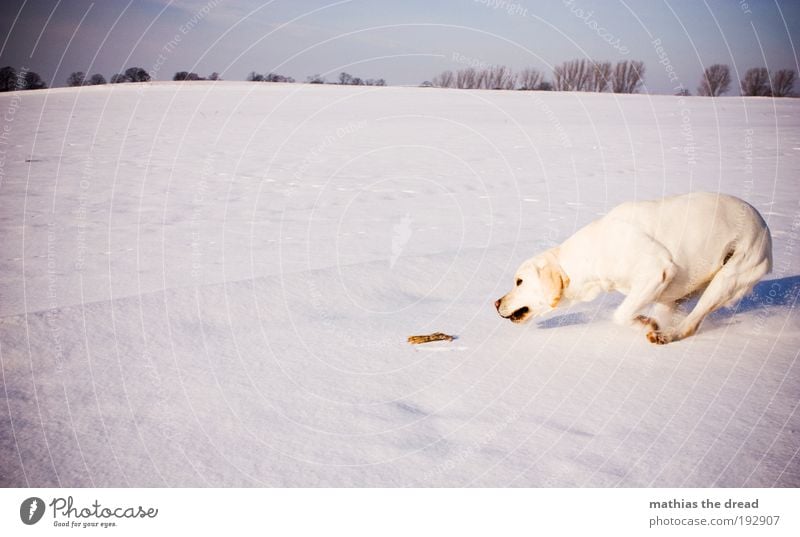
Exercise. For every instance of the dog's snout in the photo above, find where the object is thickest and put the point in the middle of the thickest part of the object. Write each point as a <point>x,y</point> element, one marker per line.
<point>497,304</point>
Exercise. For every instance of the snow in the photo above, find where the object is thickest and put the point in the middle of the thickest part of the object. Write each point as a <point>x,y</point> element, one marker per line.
<point>211,284</point>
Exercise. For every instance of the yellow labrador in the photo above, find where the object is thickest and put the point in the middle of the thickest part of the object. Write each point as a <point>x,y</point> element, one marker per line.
<point>654,252</point>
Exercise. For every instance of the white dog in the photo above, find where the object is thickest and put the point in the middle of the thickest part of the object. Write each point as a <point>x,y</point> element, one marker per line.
<point>654,252</point>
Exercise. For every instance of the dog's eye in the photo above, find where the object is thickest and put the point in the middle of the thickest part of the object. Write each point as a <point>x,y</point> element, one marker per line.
<point>519,282</point>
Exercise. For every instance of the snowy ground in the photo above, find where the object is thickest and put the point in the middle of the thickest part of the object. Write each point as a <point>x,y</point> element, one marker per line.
<point>211,284</point>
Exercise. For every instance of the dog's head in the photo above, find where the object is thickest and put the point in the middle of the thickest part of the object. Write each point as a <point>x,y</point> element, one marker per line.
<point>538,287</point>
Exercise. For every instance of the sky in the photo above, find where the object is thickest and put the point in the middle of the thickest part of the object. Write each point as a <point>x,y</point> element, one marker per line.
<point>405,42</point>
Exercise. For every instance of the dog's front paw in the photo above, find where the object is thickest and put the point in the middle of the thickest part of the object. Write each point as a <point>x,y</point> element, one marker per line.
<point>659,338</point>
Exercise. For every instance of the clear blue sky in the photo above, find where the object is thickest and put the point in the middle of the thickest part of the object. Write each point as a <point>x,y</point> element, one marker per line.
<point>404,42</point>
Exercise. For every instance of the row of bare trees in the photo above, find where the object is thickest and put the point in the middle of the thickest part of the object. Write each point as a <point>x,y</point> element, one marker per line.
<point>757,82</point>
<point>575,75</point>
<point>346,79</point>
<point>586,75</point>
<point>493,77</point>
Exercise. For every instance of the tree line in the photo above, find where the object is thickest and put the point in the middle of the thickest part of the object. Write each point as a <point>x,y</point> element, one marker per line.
<point>575,75</point>
<point>624,77</point>
<point>344,79</point>
<point>13,80</point>
<point>757,82</point>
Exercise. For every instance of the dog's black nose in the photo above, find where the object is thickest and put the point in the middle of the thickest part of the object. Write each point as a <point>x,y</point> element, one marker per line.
<point>497,304</point>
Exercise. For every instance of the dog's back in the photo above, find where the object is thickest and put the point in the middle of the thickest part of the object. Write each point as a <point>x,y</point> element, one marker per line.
<point>703,231</point>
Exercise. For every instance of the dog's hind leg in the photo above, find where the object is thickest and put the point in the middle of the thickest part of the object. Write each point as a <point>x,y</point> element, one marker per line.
<point>729,285</point>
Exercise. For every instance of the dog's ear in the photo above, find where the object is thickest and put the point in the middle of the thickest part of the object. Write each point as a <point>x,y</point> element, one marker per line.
<point>555,280</point>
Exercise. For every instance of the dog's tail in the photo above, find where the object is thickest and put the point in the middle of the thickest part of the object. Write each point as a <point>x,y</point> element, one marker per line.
<point>750,257</point>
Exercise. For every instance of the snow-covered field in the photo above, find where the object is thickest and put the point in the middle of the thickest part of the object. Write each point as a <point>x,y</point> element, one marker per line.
<point>211,284</point>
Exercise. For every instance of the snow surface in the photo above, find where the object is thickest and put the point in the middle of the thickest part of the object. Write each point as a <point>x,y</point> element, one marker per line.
<point>211,284</point>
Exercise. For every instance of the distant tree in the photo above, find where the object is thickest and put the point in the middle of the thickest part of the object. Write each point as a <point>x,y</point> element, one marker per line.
<point>78,78</point>
<point>601,76</point>
<point>255,77</point>
<point>783,83</point>
<point>445,79</point>
<point>529,79</point>
<point>544,85</point>
<point>345,78</point>
<point>756,83</point>
<point>194,76</point>
<point>628,77</point>
<point>683,92</point>
<point>469,78</point>
<point>214,76</point>
<point>33,81</point>
<point>499,77</point>
<point>118,78</point>
<point>716,80</point>
<point>137,74</point>
<point>426,84</point>
<point>96,80</point>
<point>274,77</point>
<point>574,75</point>
<point>180,75</point>
<point>8,78</point>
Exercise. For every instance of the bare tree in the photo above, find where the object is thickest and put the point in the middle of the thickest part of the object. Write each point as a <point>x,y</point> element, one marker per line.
<point>756,83</point>
<point>466,78</point>
<point>782,83</point>
<point>574,75</point>
<point>601,76</point>
<point>444,80</point>
<point>78,78</point>
<point>529,79</point>
<point>716,81</point>
<point>628,77</point>
<point>345,78</point>
<point>500,77</point>
<point>482,78</point>
<point>214,76</point>
<point>315,79</point>
<point>118,78</point>
<point>97,79</point>
<point>683,92</point>
<point>544,85</point>
<point>275,77</point>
